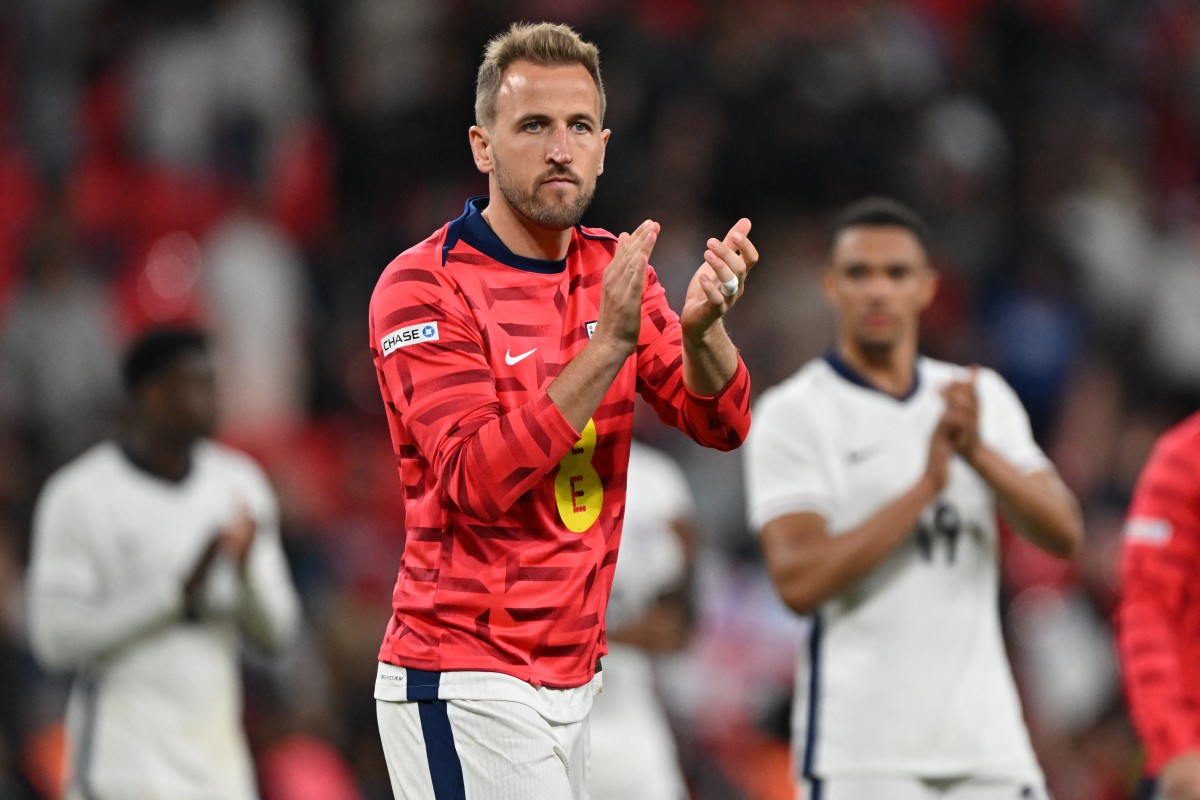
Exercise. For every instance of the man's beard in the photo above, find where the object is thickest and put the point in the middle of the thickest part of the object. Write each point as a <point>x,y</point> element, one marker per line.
<point>551,215</point>
<point>876,352</point>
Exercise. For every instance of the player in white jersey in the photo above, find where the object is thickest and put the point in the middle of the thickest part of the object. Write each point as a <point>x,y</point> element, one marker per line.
<point>873,476</point>
<point>633,749</point>
<point>152,555</point>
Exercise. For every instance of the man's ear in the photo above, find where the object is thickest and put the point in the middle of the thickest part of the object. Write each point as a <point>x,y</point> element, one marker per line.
<point>827,286</point>
<point>481,148</point>
<point>604,134</point>
<point>930,289</point>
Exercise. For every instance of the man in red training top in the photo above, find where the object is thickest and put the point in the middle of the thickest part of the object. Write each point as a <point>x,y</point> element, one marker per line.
<point>508,347</point>
<point>1158,615</point>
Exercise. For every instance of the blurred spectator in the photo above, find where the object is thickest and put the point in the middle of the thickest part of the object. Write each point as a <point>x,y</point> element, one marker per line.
<point>201,84</point>
<point>649,612</point>
<point>1173,313</point>
<point>58,350</point>
<point>257,301</point>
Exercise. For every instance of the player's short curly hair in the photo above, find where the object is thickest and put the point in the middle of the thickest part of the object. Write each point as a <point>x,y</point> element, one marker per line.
<point>880,212</point>
<point>543,43</point>
<point>155,352</point>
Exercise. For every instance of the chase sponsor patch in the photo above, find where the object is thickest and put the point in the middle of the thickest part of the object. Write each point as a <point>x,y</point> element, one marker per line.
<point>1151,530</point>
<point>413,334</point>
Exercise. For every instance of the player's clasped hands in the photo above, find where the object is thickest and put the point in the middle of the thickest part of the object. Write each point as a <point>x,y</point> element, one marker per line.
<point>714,288</point>
<point>237,537</point>
<point>957,431</point>
<point>962,414</point>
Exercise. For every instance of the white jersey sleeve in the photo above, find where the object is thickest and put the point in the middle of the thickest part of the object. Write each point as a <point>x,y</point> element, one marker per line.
<point>1004,425</point>
<point>270,609</point>
<point>785,473</point>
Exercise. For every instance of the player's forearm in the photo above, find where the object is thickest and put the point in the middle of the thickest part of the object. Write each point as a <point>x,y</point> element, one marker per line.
<point>809,572</point>
<point>581,386</point>
<point>710,361</point>
<point>67,631</point>
<point>270,612</point>
<point>1038,504</point>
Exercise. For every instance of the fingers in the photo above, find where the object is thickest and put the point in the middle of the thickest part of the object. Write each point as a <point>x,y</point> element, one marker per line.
<point>962,392</point>
<point>739,239</point>
<point>633,249</point>
<point>962,412</point>
<point>236,538</point>
<point>941,446</point>
<point>624,283</point>
<point>724,262</point>
<point>741,227</point>
<point>644,236</point>
<point>729,260</point>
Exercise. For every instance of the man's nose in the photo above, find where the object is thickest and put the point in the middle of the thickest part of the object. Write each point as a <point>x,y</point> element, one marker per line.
<point>558,149</point>
<point>878,285</point>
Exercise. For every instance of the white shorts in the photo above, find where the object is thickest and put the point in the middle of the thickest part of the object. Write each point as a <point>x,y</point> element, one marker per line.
<point>519,742</point>
<point>894,788</point>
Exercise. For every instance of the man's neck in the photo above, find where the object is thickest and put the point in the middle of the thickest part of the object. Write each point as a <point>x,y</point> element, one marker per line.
<point>888,369</point>
<point>523,237</point>
<point>157,455</point>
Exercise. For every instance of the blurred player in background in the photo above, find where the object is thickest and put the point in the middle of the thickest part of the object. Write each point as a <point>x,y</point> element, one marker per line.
<point>633,750</point>
<point>509,347</point>
<point>873,476</point>
<point>152,556</point>
<point>1158,614</point>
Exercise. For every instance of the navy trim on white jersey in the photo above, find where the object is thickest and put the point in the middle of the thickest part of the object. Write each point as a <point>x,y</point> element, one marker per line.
<point>848,373</point>
<point>814,692</point>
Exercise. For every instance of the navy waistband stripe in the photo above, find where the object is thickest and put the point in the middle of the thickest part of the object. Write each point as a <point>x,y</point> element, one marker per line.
<point>422,684</point>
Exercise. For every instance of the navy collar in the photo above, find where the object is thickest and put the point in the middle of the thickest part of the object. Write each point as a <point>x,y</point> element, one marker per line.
<point>473,229</point>
<point>848,373</point>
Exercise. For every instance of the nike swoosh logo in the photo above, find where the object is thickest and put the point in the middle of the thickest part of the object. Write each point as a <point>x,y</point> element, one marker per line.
<point>862,454</point>
<point>510,359</point>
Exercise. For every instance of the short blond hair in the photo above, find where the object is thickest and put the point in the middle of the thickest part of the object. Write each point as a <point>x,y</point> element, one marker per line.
<point>542,43</point>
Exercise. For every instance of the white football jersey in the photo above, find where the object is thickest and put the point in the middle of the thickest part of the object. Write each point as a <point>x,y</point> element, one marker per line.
<point>905,671</point>
<point>156,706</point>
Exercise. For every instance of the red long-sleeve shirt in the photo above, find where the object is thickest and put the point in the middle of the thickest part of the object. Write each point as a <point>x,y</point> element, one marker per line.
<point>1158,614</point>
<point>513,518</point>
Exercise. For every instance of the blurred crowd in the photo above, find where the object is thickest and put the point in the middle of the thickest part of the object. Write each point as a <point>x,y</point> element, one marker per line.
<point>252,165</point>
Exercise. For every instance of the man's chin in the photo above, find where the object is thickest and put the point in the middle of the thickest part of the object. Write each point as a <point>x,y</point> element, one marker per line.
<point>877,349</point>
<point>558,216</point>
